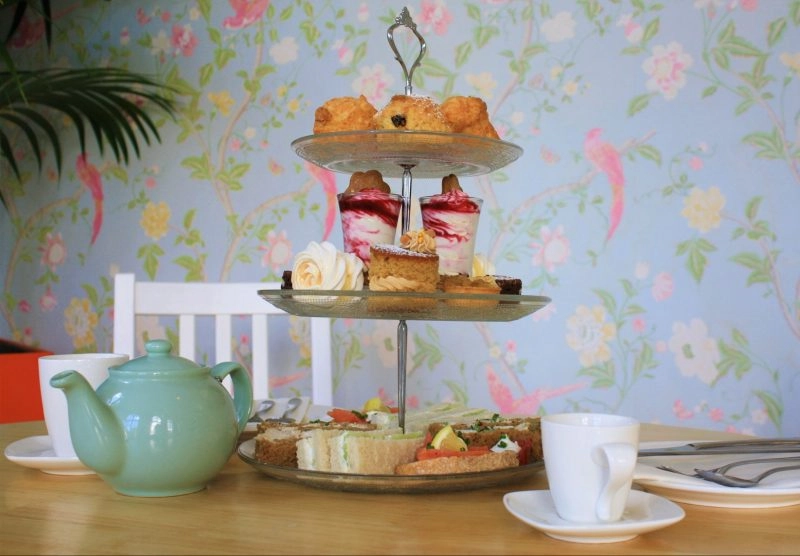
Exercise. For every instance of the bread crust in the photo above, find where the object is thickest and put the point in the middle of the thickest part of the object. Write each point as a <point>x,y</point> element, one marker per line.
<point>459,464</point>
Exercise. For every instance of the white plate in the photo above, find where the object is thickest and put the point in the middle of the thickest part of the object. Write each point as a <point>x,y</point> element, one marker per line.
<point>781,489</point>
<point>644,512</point>
<point>37,452</point>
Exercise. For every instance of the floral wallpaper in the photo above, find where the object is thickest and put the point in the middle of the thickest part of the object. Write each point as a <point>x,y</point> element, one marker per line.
<point>655,202</point>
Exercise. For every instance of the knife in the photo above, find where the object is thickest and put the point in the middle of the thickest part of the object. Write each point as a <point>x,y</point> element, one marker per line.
<point>750,446</point>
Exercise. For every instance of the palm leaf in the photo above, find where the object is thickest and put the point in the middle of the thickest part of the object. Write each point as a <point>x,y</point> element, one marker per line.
<point>103,97</point>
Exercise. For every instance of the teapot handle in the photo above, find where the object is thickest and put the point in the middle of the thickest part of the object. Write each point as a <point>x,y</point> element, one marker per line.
<point>242,389</point>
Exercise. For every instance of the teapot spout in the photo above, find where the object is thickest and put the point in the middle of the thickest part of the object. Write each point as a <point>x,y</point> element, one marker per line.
<point>97,434</point>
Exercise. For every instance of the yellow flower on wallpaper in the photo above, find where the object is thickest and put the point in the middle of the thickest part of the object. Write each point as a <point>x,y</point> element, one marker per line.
<point>80,322</point>
<point>703,209</point>
<point>155,220</point>
<point>791,61</point>
<point>223,101</point>
<point>589,334</point>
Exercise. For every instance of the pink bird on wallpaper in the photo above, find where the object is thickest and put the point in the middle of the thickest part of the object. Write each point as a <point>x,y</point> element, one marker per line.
<point>90,177</point>
<point>328,181</point>
<point>527,404</point>
<point>607,160</point>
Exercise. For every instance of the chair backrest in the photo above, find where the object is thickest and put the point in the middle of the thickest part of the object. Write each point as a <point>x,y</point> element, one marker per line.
<point>222,300</point>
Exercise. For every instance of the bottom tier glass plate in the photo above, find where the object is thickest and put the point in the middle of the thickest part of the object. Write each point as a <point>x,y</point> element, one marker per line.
<point>388,484</point>
<point>365,304</point>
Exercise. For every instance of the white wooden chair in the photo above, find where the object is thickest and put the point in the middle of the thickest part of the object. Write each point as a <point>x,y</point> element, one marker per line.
<point>222,300</point>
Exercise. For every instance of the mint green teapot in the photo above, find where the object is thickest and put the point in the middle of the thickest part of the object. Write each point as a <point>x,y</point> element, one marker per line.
<point>160,425</point>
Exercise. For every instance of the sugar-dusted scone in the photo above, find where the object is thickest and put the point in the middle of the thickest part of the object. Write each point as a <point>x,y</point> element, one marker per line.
<point>344,114</point>
<point>412,266</point>
<point>468,115</point>
<point>411,113</point>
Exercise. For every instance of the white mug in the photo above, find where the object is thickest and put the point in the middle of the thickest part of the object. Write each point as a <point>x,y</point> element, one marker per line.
<point>589,459</point>
<point>93,366</point>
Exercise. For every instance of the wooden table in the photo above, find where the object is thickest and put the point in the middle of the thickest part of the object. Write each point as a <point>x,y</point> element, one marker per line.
<point>243,511</point>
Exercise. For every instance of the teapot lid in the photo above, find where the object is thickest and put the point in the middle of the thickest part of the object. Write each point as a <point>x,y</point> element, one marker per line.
<point>158,358</point>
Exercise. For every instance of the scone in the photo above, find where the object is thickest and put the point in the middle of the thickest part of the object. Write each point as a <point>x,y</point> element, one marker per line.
<point>411,113</point>
<point>468,115</point>
<point>344,114</point>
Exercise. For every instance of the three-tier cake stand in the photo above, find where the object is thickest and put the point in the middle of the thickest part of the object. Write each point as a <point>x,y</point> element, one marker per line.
<point>405,154</point>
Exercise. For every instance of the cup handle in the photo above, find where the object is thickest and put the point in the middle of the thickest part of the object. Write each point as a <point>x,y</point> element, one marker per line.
<point>619,459</point>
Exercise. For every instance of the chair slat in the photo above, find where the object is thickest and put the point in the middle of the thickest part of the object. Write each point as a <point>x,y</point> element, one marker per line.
<point>222,300</point>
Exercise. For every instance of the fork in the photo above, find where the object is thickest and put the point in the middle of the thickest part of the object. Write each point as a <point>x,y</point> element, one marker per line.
<point>732,481</point>
<point>721,470</point>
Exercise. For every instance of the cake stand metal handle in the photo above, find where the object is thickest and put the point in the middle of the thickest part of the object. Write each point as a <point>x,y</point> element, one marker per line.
<point>405,20</point>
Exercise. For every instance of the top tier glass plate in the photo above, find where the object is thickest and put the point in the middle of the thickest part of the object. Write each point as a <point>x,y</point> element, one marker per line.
<point>429,154</point>
<point>441,306</point>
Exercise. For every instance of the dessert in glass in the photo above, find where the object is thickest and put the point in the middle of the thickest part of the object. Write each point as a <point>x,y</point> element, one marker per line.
<point>453,216</point>
<point>369,212</point>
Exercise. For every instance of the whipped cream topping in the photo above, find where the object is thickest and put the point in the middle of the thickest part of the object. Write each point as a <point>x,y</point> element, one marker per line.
<point>321,266</point>
<point>419,241</point>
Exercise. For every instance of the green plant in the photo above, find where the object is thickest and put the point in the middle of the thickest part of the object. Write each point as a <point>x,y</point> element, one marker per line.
<point>111,102</point>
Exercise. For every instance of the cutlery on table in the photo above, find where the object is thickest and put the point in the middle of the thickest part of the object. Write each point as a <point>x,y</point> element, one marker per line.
<point>722,469</point>
<point>749,446</point>
<point>291,405</point>
<point>732,481</point>
<point>263,410</point>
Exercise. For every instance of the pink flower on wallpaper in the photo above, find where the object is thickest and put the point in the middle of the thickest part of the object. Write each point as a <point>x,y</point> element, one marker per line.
<point>552,250</point>
<point>696,163</point>
<point>54,252</point>
<point>275,168</point>
<point>141,17</point>
<point>528,404</point>
<point>343,52</point>
<point>680,411</point>
<point>666,68</point>
<point>435,15</point>
<point>373,82</point>
<point>29,32</point>
<point>246,12</point>
<point>411,401</point>
<point>633,31</point>
<point>716,414</point>
<point>24,306</point>
<point>277,252</point>
<point>638,324</point>
<point>363,12</point>
<point>48,301</point>
<point>150,182</point>
<point>166,15</point>
<point>663,286</point>
<point>749,5</point>
<point>183,40</point>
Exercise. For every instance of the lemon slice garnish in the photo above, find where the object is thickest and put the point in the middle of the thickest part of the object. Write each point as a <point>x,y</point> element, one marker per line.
<point>447,439</point>
<point>374,404</point>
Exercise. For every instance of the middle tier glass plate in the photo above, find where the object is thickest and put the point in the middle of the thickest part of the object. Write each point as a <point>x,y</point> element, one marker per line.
<point>365,304</point>
<point>428,154</point>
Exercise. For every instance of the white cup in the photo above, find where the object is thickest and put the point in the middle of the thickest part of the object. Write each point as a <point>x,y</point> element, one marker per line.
<point>93,366</point>
<point>589,460</point>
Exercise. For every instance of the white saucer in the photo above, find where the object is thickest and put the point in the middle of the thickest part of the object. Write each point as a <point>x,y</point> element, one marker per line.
<point>644,512</point>
<point>37,452</point>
